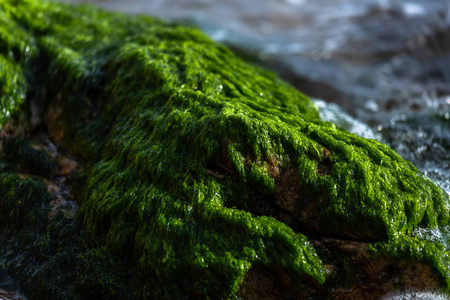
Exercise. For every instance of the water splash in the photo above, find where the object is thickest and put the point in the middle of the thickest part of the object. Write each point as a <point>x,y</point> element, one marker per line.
<point>417,295</point>
<point>333,113</point>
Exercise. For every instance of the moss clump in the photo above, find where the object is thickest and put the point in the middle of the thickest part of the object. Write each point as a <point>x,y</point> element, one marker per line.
<point>20,153</point>
<point>12,85</point>
<point>21,200</point>
<point>200,165</point>
<point>17,51</point>
<point>53,257</point>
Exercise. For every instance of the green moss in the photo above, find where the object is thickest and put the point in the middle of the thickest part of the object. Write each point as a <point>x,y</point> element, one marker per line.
<point>178,136</point>
<point>20,153</point>
<point>53,257</point>
<point>12,85</point>
<point>17,50</point>
<point>21,200</point>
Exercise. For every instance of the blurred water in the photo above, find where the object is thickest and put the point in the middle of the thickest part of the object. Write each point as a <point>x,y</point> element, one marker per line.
<point>333,113</point>
<point>416,295</point>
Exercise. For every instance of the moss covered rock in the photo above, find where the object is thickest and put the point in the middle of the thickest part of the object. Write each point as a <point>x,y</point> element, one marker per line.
<point>198,166</point>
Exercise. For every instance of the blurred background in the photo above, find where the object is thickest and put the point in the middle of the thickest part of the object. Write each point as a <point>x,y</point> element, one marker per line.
<point>379,68</point>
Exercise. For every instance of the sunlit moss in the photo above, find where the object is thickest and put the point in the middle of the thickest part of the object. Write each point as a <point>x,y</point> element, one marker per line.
<point>17,49</point>
<point>178,136</point>
<point>12,85</point>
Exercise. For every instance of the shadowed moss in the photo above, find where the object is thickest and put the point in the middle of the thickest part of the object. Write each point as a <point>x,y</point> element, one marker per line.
<point>182,141</point>
<point>20,153</point>
<point>53,257</point>
<point>21,200</point>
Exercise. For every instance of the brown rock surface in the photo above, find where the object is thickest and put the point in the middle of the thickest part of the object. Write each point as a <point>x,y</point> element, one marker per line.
<point>353,274</point>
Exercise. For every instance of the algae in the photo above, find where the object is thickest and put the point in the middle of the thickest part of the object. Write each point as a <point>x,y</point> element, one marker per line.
<point>20,153</point>
<point>183,143</point>
<point>21,200</point>
<point>17,51</point>
<point>54,258</point>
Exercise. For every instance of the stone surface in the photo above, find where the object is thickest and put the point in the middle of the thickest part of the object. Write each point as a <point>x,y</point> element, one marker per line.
<point>5,295</point>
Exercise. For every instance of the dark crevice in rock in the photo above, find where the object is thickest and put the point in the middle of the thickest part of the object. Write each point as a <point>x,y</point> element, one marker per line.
<point>262,282</point>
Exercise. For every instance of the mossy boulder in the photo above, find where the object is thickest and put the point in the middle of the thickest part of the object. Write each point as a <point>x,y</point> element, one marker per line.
<point>196,166</point>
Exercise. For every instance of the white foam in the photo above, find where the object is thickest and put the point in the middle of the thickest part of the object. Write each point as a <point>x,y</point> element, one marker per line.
<point>412,9</point>
<point>417,295</point>
<point>296,2</point>
<point>332,113</point>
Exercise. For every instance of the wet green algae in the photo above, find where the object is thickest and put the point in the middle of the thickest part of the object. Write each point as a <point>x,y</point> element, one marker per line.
<point>182,143</point>
<point>54,260</point>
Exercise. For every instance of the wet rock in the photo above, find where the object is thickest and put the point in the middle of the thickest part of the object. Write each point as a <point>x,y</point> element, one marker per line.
<point>61,202</point>
<point>354,273</point>
<point>197,175</point>
<point>5,295</point>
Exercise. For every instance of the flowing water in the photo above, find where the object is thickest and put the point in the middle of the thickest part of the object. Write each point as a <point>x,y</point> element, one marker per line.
<point>382,66</point>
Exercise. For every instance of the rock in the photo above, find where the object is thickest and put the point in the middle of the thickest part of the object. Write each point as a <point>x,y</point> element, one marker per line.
<point>5,295</point>
<point>197,175</point>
